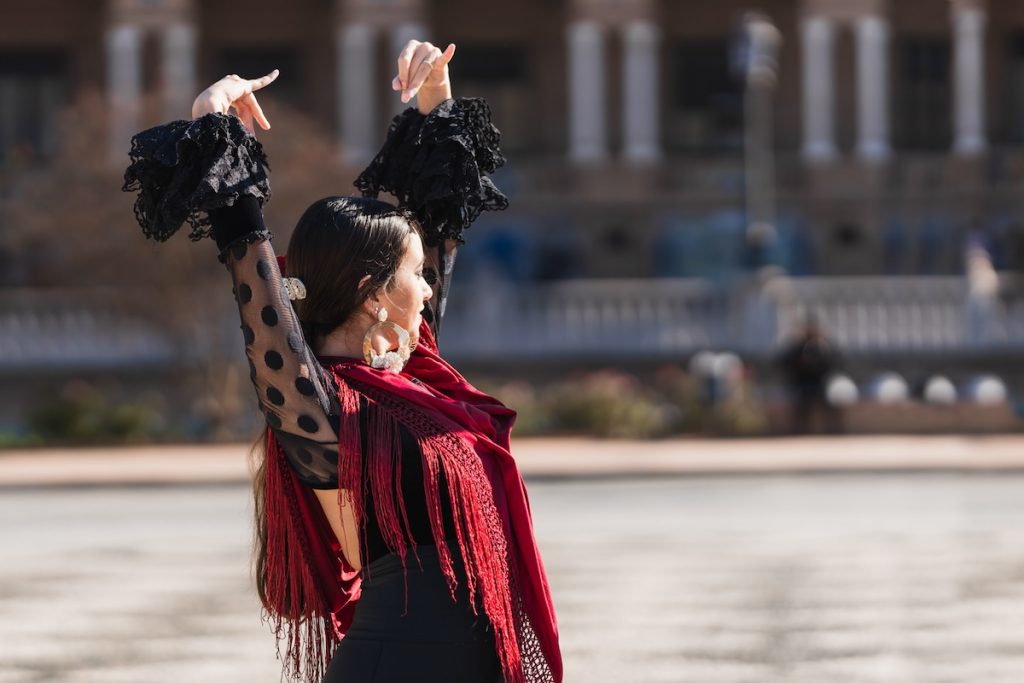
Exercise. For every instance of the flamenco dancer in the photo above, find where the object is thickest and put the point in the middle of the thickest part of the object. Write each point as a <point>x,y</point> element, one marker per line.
<point>394,540</point>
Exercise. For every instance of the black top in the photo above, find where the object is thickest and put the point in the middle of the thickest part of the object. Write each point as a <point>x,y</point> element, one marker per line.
<point>212,166</point>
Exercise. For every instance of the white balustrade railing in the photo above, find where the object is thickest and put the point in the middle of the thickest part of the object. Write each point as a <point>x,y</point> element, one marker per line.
<point>673,317</point>
<point>868,314</point>
<point>584,318</point>
<point>879,313</point>
<point>64,328</point>
<point>607,320</point>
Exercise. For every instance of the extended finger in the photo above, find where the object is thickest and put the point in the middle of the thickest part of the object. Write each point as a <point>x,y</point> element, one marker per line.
<point>404,57</point>
<point>257,111</point>
<point>244,114</point>
<point>258,83</point>
<point>447,55</point>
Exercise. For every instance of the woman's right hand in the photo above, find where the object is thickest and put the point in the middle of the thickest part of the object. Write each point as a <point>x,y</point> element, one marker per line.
<point>235,92</point>
<point>423,73</point>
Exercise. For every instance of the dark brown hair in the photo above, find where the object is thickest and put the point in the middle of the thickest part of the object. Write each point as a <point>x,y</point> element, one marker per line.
<point>336,242</point>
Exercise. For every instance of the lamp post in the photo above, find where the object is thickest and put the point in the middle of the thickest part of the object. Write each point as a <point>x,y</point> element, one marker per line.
<point>755,47</point>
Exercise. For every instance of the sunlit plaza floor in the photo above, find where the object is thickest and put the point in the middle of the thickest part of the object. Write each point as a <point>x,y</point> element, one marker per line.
<point>915,578</point>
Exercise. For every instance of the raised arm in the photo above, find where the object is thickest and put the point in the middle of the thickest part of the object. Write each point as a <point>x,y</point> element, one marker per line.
<point>435,161</point>
<point>295,393</point>
<point>212,172</point>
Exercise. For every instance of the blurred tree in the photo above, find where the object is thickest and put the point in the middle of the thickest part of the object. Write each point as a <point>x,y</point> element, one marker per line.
<point>72,227</point>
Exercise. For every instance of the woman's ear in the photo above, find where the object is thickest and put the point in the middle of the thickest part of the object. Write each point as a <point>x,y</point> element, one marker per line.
<point>372,302</point>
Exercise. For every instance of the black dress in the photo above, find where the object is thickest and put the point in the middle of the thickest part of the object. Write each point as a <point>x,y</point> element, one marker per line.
<point>211,173</point>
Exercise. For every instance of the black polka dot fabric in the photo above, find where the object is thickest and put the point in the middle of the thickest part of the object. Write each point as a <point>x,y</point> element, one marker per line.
<point>295,393</point>
<point>308,423</point>
<point>263,269</point>
<point>273,360</point>
<point>305,387</point>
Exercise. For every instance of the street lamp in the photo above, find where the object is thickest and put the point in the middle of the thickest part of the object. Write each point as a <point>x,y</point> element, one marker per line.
<point>755,49</point>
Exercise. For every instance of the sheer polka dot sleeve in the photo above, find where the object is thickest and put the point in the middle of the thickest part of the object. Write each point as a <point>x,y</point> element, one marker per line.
<point>296,394</point>
<point>212,173</point>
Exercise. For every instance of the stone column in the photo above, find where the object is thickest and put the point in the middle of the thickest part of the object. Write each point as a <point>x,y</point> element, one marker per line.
<point>400,35</point>
<point>178,69</point>
<point>357,87</point>
<point>124,85</point>
<point>588,140</point>
<point>969,78</point>
<point>819,96</point>
<point>872,34</point>
<point>640,109</point>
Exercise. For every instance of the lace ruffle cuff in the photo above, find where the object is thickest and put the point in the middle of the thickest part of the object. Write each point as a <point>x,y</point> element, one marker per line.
<point>184,169</point>
<point>436,166</point>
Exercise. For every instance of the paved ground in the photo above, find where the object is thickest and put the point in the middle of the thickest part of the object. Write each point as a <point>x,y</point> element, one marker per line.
<point>555,458</point>
<point>858,578</point>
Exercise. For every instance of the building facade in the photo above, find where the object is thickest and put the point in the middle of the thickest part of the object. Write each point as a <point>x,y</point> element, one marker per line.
<point>897,150</point>
<point>898,126</point>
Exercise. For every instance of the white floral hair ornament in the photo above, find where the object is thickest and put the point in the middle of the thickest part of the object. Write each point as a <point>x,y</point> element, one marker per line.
<point>294,288</point>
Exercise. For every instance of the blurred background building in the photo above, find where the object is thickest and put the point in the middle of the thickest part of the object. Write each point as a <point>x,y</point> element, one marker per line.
<point>897,162</point>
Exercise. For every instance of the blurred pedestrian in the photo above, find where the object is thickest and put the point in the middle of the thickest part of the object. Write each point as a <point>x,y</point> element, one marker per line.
<point>807,364</point>
<point>376,448</point>
<point>982,306</point>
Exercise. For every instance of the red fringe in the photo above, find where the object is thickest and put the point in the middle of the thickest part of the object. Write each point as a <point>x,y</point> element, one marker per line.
<point>298,610</point>
<point>302,613</point>
<point>478,526</point>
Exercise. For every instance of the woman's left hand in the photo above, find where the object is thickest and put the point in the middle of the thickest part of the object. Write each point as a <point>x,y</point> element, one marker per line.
<point>234,92</point>
<point>423,72</point>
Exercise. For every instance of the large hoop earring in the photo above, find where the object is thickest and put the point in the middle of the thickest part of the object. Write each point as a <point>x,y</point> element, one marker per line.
<point>394,360</point>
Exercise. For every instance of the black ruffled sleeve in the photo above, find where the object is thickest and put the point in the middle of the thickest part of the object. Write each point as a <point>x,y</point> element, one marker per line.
<point>184,169</point>
<point>437,165</point>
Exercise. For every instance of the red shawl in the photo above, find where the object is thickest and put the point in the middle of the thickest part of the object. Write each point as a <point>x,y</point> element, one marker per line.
<point>461,430</point>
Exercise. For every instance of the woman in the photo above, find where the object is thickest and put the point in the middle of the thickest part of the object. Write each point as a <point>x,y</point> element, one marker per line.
<point>394,537</point>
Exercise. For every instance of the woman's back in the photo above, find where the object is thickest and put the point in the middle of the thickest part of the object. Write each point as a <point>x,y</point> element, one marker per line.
<point>298,395</point>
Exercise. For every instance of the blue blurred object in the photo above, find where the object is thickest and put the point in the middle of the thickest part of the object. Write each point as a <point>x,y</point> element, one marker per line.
<point>713,246</point>
<point>932,239</point>
<point>894,243</point>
